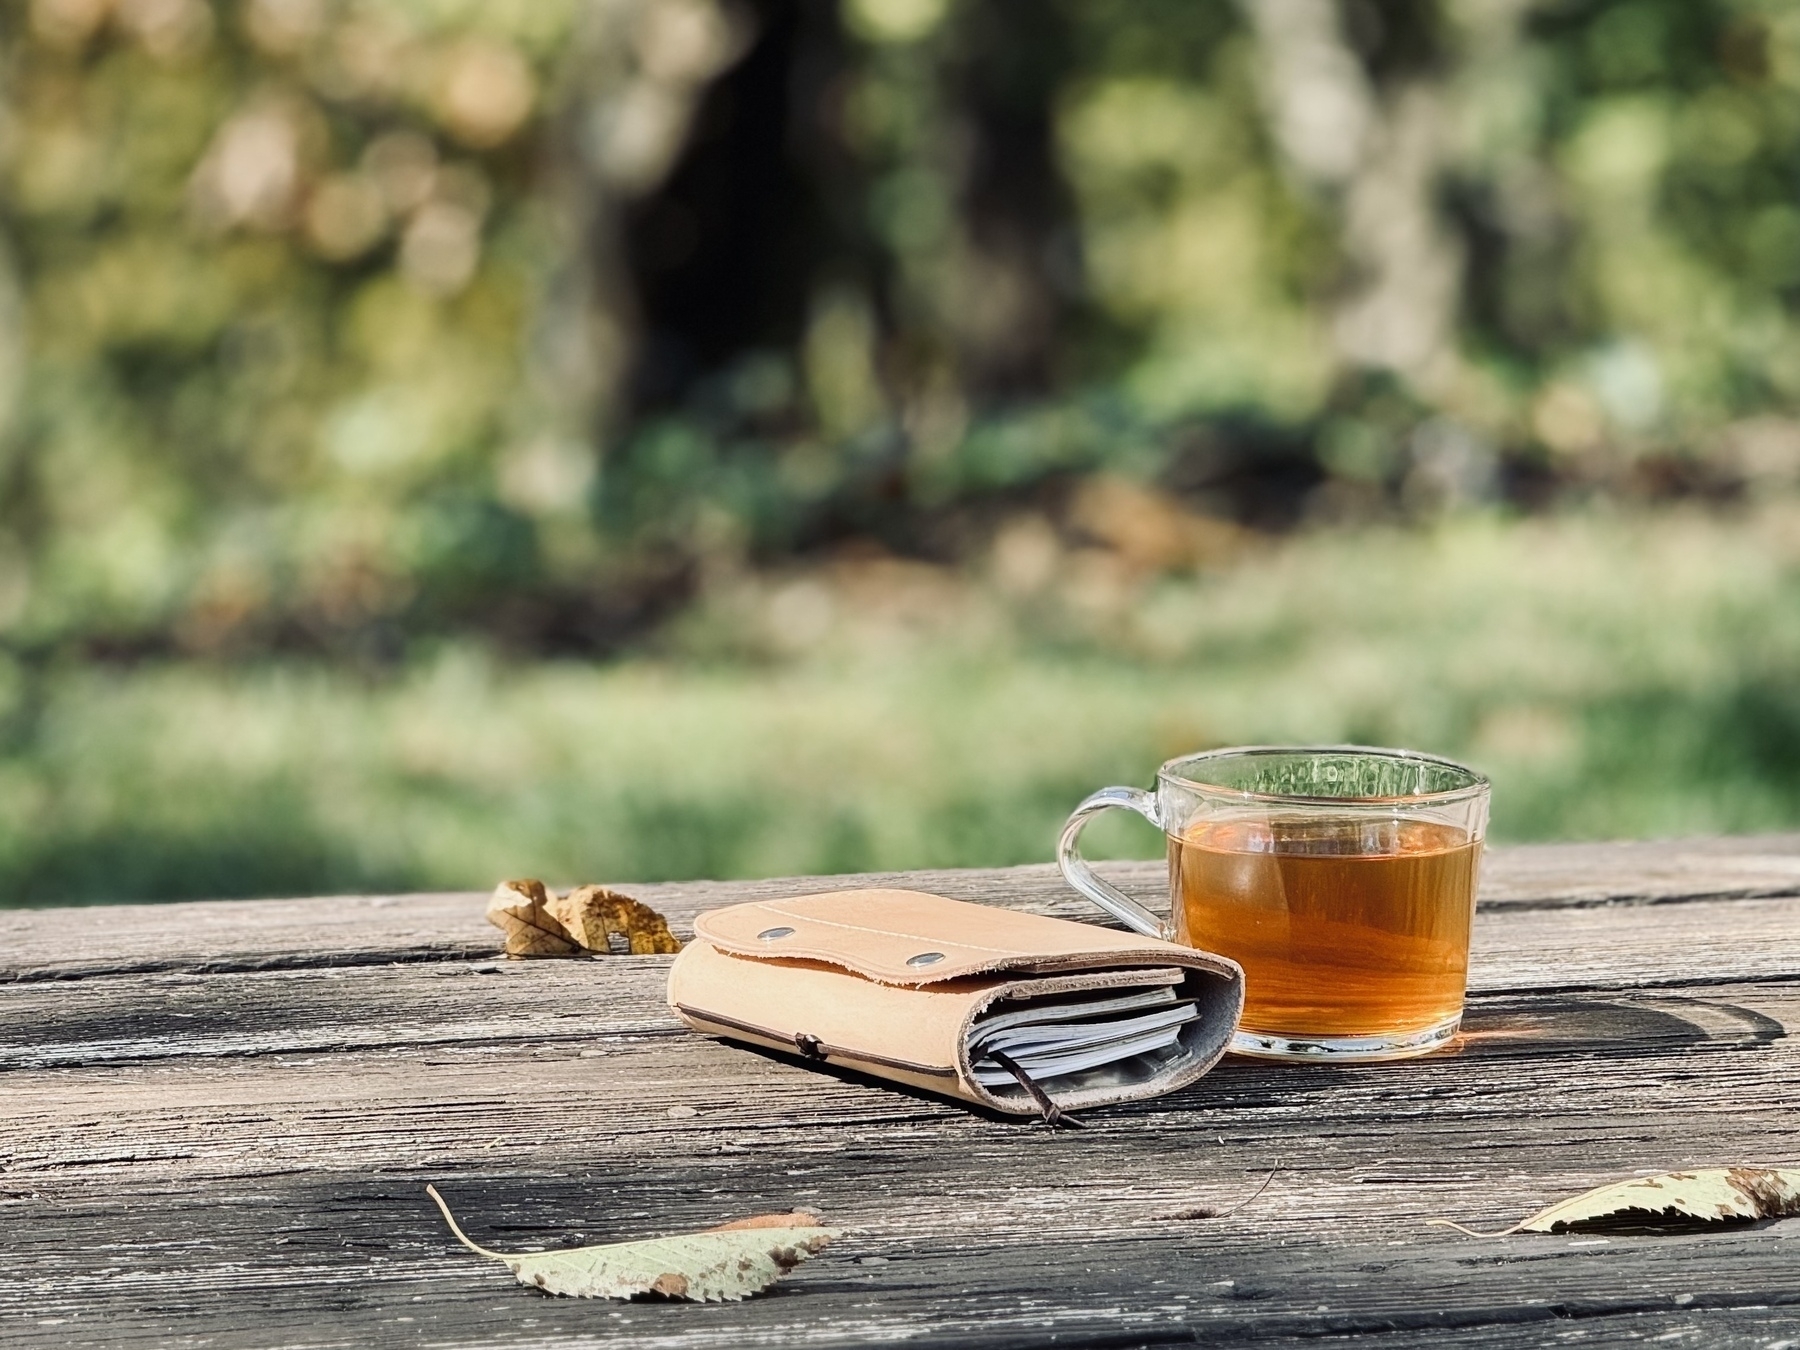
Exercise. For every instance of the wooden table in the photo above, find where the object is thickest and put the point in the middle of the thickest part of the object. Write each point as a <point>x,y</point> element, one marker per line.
<point>219,1119</point>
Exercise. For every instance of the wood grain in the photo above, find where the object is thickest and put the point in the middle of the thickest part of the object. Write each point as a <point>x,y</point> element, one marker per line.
<point>364,930</point>
<point>1514,947</point>
<point>219,1160</point>
<point>207,1142</point>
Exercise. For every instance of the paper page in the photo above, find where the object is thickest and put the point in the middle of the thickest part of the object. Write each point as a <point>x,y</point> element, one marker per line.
<point>1050,1066</point>
<point>1051,1038</point>
<point>1068,1010</point>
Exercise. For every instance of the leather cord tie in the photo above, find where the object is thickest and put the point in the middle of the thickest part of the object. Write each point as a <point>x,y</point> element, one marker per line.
<point>1053,1114</point>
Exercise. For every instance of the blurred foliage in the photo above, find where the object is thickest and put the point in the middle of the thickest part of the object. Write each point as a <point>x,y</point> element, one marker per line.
<point>1290,260</point>
<point>1630,676</point>
<point>328,323</point>
<point>274,265</point>
<point>922,385</point>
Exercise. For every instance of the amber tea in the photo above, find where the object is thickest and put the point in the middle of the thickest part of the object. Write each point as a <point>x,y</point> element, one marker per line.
<point>1341,877</point>
<point>1343,927</point>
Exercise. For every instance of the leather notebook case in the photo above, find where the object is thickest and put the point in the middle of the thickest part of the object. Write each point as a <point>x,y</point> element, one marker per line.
<point>900,984</point>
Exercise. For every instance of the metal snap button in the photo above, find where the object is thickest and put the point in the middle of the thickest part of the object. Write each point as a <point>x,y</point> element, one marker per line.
<point>925,959</point>
<point>771,934</point>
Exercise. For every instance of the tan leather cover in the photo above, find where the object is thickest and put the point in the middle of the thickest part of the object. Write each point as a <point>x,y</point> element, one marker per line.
<point>890,981</point>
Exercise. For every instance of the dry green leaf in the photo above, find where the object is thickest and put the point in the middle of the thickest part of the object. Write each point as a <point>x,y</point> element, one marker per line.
<point>593,915</point>
<point>520,909</point>
<point>1670,1203</point>
<point>717,1265</point>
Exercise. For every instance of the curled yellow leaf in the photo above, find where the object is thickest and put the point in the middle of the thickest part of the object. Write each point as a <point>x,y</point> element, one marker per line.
<point>595,915</point>
<point>520,909</point>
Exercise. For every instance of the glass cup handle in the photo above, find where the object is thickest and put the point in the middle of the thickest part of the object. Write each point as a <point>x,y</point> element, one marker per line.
<point>1080,875</point>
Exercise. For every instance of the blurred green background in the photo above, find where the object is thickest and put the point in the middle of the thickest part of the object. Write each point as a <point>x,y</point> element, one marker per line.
<point>632,439</point>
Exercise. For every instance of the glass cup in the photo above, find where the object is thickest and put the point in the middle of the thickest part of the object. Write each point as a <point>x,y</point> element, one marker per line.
<point>1341,878</point>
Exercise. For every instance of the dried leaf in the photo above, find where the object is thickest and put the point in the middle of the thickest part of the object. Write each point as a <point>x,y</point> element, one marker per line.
<point>520,909</point>
<point>593,915</point>
<point>1674,1202</point>
<point>718,1265</point>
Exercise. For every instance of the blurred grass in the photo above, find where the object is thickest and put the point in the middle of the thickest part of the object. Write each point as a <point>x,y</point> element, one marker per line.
<point>1617,675</point>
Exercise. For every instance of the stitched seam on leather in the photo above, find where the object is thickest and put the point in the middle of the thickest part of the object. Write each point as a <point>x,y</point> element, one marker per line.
<point>827,1051</point>
<point>889,932</point>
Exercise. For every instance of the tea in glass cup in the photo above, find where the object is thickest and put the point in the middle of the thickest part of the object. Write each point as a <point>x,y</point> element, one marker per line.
<point>1341,879</point>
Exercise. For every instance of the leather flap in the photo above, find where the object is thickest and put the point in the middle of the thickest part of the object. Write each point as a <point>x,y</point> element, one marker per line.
<point>914,938</point>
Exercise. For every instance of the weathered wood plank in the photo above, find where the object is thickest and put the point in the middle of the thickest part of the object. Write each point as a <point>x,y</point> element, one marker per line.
<point>550,1004</point>
<point>1708,1066</point>
<point>1672,871</point>
<point>251,934</point>
<point>356,1258</point>
<point>287,1193</point>
<point>364,1262</point>
<point>1712,1059</point>
<point>180,1176</point>
<point>236,1012</point>
<point>236,1156</point>
<point>1635,947</point>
